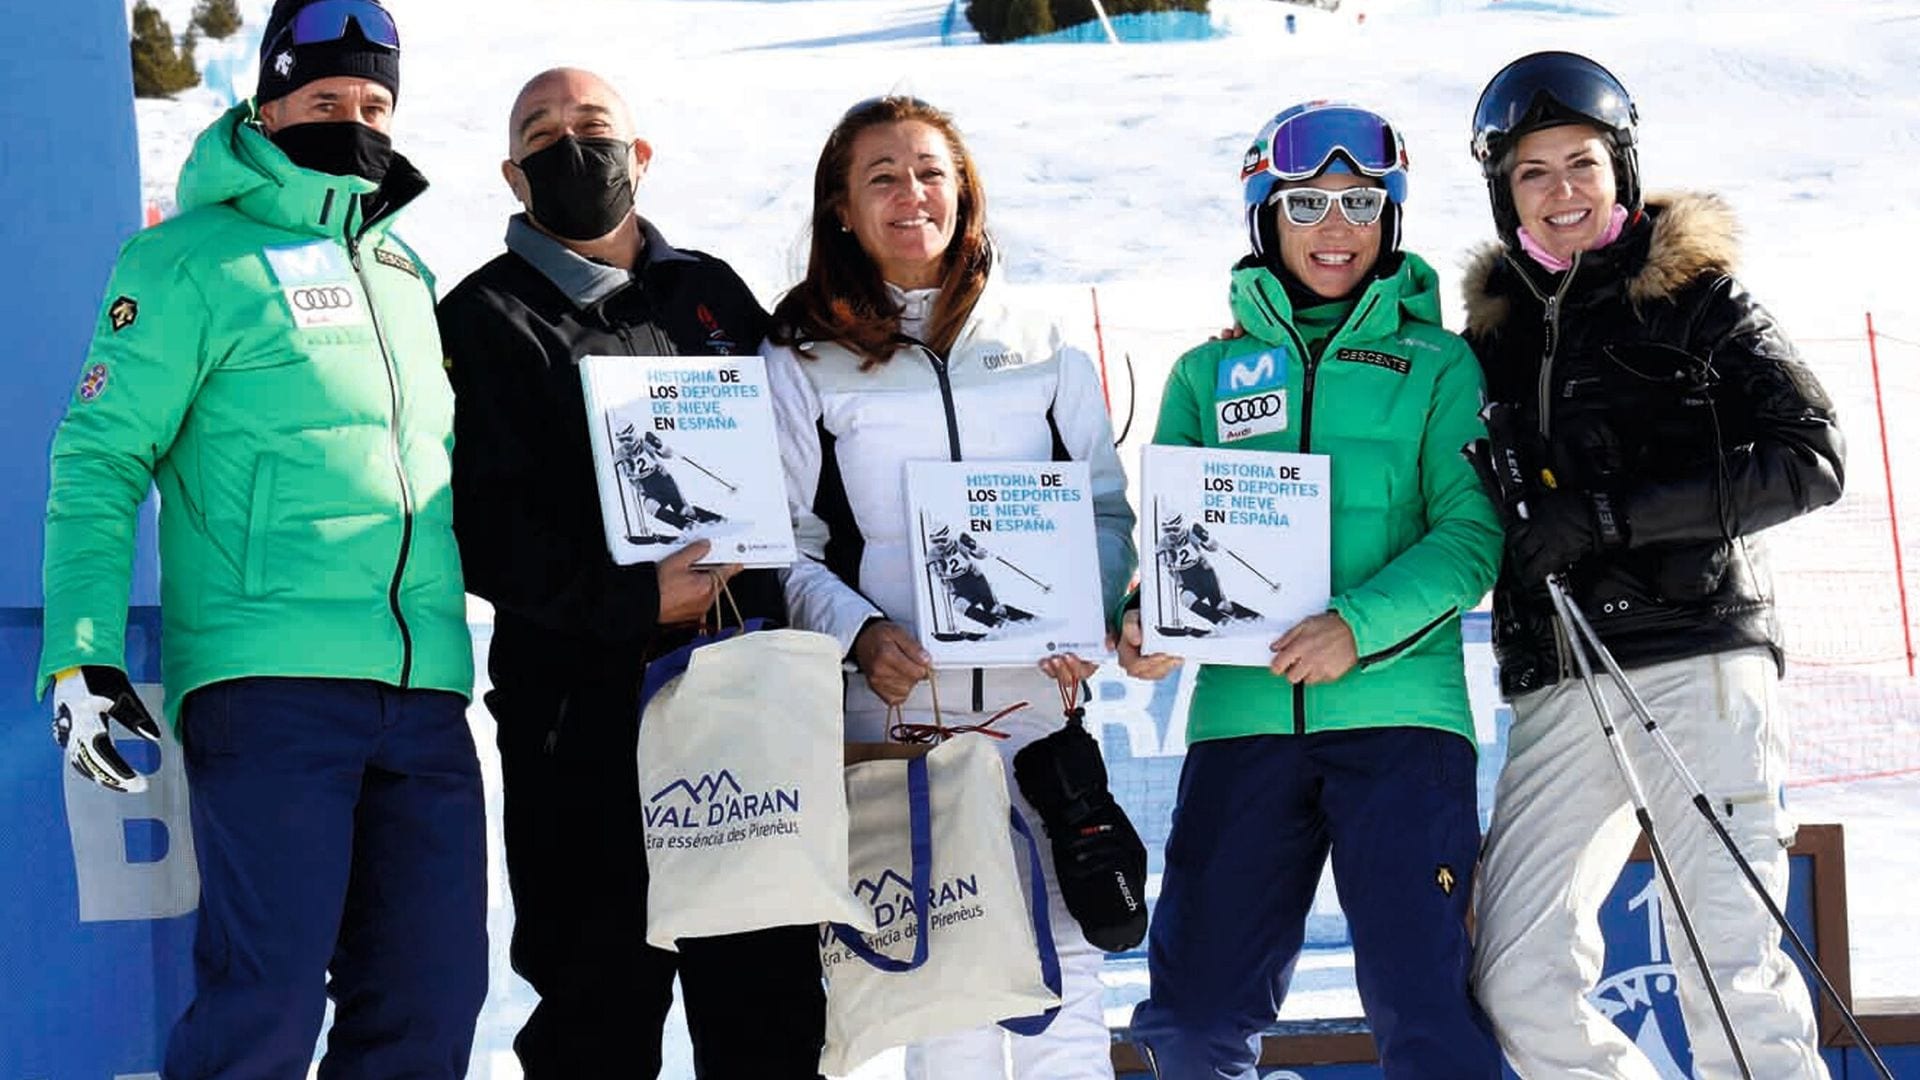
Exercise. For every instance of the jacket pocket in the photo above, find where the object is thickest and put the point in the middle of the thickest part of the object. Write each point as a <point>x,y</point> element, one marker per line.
<point>259,520</point>
<point>1691,573</point>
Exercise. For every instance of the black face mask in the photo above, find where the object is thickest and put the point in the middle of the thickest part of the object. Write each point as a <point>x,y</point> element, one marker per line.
<point>581,189</point>
<point>344,148</point>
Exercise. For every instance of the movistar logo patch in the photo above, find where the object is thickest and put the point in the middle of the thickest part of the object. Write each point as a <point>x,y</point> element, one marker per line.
<point>319,262</point>
<point>1251,374</point>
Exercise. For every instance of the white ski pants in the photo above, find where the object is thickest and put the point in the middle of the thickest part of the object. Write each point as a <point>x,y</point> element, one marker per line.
<point>1077,1045</point>
<point>1563,828</point>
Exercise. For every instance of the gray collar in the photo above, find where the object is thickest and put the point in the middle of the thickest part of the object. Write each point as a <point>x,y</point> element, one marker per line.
<point>583,280</point>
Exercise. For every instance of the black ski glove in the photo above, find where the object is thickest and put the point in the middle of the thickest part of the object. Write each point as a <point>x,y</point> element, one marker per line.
<point>1560,529</point>
<point>1097,856</point>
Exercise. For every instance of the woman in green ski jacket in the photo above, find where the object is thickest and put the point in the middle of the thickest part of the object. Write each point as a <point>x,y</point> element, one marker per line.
<point>1358,737</point>
<point>269,359</point>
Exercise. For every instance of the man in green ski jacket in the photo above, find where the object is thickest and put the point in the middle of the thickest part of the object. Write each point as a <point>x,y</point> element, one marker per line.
<point>1357,740</point>
<point>270,360</point>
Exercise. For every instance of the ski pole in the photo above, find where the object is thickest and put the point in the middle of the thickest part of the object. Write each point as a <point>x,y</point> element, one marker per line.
<point>1268,582</point>
<point>624,473</point>
<point>1159,590</point>
<point>926,561</point>
<point>1044,587</point>
<point>715,477</point>
<point>1705,806</point>
<point>1556,592</point>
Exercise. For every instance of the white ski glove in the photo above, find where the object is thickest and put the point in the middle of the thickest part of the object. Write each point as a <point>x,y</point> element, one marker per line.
<point>84,699</point>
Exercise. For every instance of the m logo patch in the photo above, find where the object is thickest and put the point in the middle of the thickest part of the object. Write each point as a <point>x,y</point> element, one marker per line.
<point>1262,371</point>
<point>308,264</point>
<point>1398,364</point>
<point>122,312</point>
<point>317,284</point>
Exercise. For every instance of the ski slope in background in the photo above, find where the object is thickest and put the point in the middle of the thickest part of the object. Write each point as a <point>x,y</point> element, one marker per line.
<point>1119,166</point>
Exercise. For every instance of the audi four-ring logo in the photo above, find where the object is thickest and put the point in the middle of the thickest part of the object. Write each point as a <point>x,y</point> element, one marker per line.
<point>326,298</point>
<point>1252,408</point>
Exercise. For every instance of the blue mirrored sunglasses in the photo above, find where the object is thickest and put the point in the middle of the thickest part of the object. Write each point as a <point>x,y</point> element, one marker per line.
<point>326,20</point>
<point>1303,145</point>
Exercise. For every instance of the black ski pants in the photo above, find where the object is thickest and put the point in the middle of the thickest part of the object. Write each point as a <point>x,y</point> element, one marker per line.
<point>754,1002</point>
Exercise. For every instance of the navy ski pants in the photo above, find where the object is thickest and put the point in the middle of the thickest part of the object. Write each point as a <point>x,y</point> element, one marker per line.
<point>340,832</point>
<point>1255,820</point>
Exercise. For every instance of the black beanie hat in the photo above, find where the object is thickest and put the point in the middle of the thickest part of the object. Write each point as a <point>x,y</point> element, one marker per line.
<point>286,67</point>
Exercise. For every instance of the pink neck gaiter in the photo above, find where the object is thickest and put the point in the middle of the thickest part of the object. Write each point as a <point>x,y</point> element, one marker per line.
<point>1555,263</point>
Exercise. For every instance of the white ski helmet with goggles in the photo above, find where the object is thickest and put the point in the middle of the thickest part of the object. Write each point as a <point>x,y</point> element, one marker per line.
<point>1317,137</point>
<point>1552,89</point>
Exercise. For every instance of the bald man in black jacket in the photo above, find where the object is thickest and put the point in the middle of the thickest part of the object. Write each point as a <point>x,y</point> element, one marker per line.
<point>583,275</point>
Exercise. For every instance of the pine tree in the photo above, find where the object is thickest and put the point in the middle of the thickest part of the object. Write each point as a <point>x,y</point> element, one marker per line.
<point>1009,20</point>
<point>158,68</point>
<point>1028,18</point>
<point>189,70</point>
<point>217,19</point>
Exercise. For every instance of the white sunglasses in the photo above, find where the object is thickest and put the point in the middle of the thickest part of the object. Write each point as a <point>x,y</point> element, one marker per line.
<point>1308,206</point>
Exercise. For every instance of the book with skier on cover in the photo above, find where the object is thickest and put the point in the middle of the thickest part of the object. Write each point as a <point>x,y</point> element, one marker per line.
<point>684,449</point>
<point>1235,548</point>
<point>1006,561</point>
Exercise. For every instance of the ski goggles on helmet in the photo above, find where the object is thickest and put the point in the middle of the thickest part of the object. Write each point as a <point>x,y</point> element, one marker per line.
<point>1307,140</point>
<point>1308,206</point>
<point>1543,90</point>
<point>326,20</point>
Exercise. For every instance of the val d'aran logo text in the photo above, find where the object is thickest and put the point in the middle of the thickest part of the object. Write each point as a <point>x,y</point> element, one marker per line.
<point>1629,997</point>
<point>714,809</point>
<point>890,895</point>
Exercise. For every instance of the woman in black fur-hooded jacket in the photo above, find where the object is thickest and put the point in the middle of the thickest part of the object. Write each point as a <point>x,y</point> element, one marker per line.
<point>1661,421</point>
<point>1677,421</point>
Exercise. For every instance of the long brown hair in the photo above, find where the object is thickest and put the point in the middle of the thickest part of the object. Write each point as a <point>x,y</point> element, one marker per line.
<point>843,297</point>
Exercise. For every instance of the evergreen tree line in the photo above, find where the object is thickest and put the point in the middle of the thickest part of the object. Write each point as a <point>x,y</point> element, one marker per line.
<point>160,67</point>
<point>1010,20</point>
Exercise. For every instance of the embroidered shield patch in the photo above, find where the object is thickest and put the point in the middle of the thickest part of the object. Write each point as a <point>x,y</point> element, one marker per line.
<point>93,383</point>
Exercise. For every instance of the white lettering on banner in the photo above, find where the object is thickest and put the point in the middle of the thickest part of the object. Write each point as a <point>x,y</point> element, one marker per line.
<point>1649,898</point>
<point>1630,994</point>
<point>1133,711</point>
<point>111,885</point>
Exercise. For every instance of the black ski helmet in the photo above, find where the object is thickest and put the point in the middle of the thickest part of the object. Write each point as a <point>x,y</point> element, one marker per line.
<point>1548,89</point>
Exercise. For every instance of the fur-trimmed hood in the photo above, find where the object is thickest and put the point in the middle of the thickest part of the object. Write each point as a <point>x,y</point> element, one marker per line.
<point>1694,234</point>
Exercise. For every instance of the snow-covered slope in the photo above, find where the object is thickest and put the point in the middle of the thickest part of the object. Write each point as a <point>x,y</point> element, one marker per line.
<point>1108,163</point>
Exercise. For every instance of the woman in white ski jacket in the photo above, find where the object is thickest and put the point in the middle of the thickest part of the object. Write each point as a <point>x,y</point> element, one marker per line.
<point>896,347</point>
